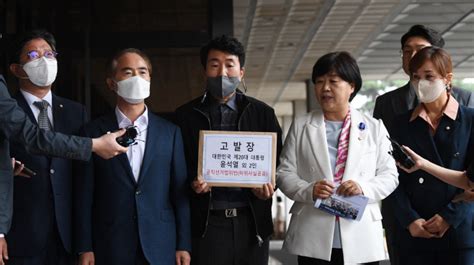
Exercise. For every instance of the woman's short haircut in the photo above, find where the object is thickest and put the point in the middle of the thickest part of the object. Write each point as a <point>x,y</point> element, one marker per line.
<point>343,65</point>
<point>112,63</point>
<point>438,56</point>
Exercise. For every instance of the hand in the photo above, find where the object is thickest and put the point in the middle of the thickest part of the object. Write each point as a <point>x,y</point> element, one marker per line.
<point>86,258</point>
<point>18,168</point>
<point>183,257</point>
<point>419,161</point>
<point>417,230</point>
<point>466,196</point>
<point>436,225</point>
<point>106,146</point>
<point>322,189</point>
<point>349,188</point>
<point>265,192</point>
<point>3,251</point>
<point>200,186</point>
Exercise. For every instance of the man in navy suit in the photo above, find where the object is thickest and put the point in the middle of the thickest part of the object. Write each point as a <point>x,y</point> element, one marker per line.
<point>134,209</point>
<point>42,205</point>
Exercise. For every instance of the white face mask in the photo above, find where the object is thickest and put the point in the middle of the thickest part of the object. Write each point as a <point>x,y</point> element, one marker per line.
<point>42,71</point>
<point>429,91</point>
<point>134,90</point>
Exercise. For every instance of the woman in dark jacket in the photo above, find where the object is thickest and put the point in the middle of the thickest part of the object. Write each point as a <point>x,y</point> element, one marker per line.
<point>431,228</point>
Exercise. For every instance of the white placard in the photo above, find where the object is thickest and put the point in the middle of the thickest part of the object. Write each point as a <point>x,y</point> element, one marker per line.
<point>237,159</point>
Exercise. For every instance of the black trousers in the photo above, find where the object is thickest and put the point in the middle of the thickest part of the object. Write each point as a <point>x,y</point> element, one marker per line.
<point>389,224</point>
<point>53,254</point>
<point>336,259</point>
<point>140,259</point>
<point>437,257</point>
<point>229,241</point>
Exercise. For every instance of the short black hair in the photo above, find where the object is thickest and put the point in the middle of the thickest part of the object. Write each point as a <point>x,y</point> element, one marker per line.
<point>226,44</point>
<point>112,62</point>
<point>429,34</point>
<point>341,63</point>
<point>24,38</point>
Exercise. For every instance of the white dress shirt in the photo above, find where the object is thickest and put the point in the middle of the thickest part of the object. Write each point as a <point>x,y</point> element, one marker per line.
<point>30,99</point>
<point>135,152</point>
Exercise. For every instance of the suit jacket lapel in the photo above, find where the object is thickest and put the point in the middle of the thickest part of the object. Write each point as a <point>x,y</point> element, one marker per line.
<point>316,135</point>
<point>153,139</point>
<point>59,119</point>
<point>425,142</point>
<point>111,125</point>
<point>405,100</point>
<point>20,99</point>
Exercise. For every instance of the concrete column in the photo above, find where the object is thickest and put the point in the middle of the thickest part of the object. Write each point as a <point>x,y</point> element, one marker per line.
<point>300,107</point>
<point>312,103</point>
<point>285,126</point>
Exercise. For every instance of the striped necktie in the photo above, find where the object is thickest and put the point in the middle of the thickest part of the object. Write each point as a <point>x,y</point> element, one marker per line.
<point>342,149</point>
<point>43,120</point>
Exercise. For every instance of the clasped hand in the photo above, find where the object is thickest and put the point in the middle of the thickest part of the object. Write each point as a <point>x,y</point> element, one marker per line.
<point>325,188</point>
<point>435,227</point>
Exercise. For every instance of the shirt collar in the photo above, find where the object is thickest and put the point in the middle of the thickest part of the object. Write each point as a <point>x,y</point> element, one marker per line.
<point>451,110</point>
<point>231,103</point>
<point>123,121</point>
<point>30,98</point>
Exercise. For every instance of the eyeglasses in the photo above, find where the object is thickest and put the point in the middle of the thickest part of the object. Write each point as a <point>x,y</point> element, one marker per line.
<point>34,54</point>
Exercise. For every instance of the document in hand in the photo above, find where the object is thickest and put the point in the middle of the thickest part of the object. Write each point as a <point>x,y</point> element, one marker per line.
<point>345,207</point>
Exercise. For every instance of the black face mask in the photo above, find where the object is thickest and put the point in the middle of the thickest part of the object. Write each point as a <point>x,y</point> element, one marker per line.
<point>222,86</point>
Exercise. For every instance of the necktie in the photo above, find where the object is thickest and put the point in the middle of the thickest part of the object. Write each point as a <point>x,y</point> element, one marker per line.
<point>43,120</point>
<point>342,149</point>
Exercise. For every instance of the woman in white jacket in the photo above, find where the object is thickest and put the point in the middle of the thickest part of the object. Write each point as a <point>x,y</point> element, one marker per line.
<point>337,149</point>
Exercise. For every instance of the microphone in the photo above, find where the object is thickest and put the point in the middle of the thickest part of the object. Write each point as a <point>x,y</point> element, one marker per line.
<point>128,138</point>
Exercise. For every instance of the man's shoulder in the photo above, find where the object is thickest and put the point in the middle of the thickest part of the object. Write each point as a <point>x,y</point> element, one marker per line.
<point>67,103</point>
<point>154,118</point>
<point>96,125</point>
<point>401,91</point>
<point>257,104</point>
<point>189,105</point>
<point>462,92</point>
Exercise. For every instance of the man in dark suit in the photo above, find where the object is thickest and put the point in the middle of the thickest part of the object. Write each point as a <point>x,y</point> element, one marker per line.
<point>402,99</point>
<point>15,123</point>
<point>42,205</point>
<point>134,209</point>
<point>399,101</point>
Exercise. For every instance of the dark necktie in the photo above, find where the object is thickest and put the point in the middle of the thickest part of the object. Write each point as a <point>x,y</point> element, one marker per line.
<point>43,120</point>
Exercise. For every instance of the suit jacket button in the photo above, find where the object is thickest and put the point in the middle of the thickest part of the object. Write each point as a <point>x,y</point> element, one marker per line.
<point>137,192</point>
<point>448,128</point>
<point>456,155</point>
<point>51,171</point>
<point>421,180</point>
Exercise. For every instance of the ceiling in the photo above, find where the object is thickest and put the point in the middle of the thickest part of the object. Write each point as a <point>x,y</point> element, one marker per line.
<point>284,38</point>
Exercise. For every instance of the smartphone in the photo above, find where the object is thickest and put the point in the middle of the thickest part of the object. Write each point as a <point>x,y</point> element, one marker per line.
<point>400,155</point>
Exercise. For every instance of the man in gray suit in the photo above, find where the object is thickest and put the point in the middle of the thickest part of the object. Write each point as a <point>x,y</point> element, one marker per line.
<point>402,99</point>
<point>15,123</point>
